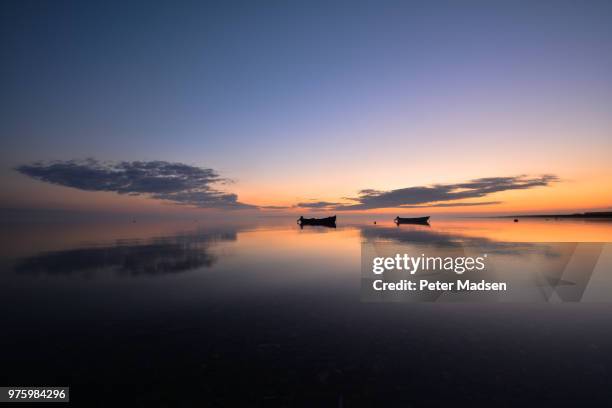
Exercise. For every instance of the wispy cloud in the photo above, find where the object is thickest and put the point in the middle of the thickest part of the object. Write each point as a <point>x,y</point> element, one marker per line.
<point>274,207</point>
<point>442,205</point>
<point>176,182</point>
<point>318,205</point>
<point>443,195</point>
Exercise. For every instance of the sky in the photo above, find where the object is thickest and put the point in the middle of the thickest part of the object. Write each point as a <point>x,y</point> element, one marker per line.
<point>306,106</point>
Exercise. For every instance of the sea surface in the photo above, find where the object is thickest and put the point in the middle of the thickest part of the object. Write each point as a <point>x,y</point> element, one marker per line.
<point>263,313</point>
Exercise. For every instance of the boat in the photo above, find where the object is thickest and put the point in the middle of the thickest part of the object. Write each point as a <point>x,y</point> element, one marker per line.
<point>326,222</point>
<point>417,220</point>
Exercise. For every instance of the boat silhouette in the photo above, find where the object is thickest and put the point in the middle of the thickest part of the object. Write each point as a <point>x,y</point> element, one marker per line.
<point>326,222</point>
<point>417,220</point>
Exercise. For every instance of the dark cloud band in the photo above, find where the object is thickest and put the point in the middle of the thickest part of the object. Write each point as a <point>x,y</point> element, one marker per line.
<point>176,182</point>
<point>317,205</point>
<point>438,195</point>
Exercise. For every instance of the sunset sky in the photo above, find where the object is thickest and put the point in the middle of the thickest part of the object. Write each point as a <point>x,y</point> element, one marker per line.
<point>295,107</point>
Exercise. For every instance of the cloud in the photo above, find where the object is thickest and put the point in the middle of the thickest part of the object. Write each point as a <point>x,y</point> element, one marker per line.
<point>176,182</point>
<point>318,205</point>
<point>437,195</point>
<point>452,204</point>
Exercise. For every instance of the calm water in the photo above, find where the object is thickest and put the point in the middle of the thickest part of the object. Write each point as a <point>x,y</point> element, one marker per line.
<point>264,313</point>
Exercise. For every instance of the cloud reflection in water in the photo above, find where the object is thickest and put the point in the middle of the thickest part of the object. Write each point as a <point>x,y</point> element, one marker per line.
<point>159,256</point>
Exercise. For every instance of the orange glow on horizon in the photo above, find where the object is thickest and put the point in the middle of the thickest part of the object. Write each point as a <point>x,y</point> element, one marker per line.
<point>585,191</point>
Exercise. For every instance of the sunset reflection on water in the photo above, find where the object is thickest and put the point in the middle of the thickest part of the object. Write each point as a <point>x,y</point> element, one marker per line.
<point>271,300</point>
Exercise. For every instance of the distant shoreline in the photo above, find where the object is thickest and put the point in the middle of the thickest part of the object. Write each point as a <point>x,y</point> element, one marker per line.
<point>603,214</point>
